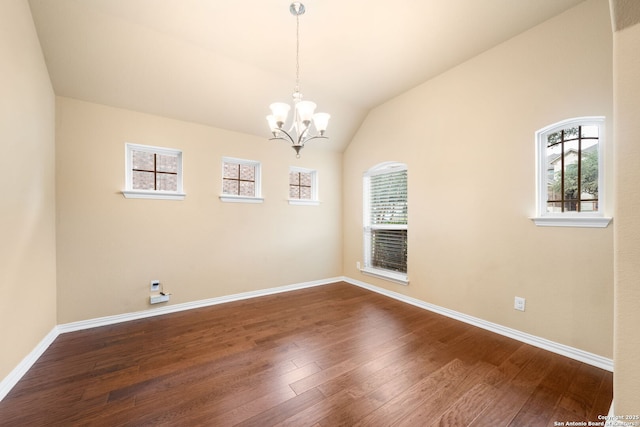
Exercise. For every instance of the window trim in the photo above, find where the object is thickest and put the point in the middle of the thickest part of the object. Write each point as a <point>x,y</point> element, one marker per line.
<point>393,276</point>
<point>399,278</point>
<point>130,193</point>
<point>314,188</point>
<point>569,219</point>
<point>231,198</point>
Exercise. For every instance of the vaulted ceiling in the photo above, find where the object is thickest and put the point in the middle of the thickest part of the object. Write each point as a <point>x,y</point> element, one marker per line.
<point>222,62</point>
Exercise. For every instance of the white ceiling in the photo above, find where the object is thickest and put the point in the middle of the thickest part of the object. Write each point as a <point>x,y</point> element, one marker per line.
<point>222,62</point>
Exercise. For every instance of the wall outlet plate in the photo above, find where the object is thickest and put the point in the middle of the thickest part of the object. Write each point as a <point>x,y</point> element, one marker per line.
<point>519,303</point>
<point>155,286</point>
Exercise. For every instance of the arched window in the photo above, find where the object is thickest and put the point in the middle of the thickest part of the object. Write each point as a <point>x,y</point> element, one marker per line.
<point>569,169</point>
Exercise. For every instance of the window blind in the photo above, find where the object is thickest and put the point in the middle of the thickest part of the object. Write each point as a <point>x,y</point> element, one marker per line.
<point>388,198</point>
<point>386,221</point>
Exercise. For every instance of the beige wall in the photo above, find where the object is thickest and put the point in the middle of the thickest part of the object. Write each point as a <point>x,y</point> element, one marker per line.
<point>109,247</point>
<point>627,222</point>
<point>27,205</point>
<point>468,139</point>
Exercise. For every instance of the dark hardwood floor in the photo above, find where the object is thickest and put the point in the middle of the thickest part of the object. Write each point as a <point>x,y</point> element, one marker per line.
<point>326,356</point>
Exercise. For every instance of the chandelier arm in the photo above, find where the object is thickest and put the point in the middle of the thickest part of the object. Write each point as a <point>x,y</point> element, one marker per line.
<point>314,137</point>
<point>274,138</point>
<point>302,137</point>
<point>287,139</point>
<point>288,134</point>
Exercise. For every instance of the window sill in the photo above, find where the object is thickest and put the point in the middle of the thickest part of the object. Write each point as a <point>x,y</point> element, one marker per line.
<point>159,195</point>
<point>303,202</point>
<point>572,221</point>
<point>240,199</point>
<point>399,278</point>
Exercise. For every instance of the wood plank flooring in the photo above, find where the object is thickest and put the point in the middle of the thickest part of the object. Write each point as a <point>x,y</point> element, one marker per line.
<point>334,355</point>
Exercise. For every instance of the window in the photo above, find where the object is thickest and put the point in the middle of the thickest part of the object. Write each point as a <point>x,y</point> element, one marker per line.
<point>570,177</point>
<point>303,186</point>
<point>153,172</point>
<point>385,222</point>
<point>240,181</point>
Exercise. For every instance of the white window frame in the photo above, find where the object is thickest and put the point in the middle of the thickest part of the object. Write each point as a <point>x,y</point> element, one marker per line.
<point>130,193</point>
<point>568,219</point>
<point>314,188</point>
<point>230,198</point>
<point>393,276</point>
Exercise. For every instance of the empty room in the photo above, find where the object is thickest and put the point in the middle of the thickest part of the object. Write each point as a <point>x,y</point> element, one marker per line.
<point>320,213</point>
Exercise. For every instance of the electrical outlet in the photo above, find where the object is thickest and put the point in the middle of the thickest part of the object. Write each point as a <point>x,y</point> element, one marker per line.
<point>155,286</point>
<point>519,303</point>
<point>358,265</point>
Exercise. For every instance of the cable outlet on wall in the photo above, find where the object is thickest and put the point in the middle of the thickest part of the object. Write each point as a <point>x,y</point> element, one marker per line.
<point>519,303</point>
<point>155,299</point>
<point>155,286</point>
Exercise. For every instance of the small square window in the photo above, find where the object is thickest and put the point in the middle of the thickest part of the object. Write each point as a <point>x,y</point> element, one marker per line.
<point>303,186</point>
<point>240,181</point>
<point>153,172</point>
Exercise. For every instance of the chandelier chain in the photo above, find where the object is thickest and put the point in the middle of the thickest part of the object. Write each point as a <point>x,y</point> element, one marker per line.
<point>297,88</point>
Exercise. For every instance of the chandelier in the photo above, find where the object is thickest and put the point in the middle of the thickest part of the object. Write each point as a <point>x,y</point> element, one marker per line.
<point>299,132</point>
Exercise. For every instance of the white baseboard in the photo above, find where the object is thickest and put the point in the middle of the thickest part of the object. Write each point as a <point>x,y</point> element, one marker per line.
<point>554,347</point>
<point>119,318</point>
<point>18,372</point>
<point>611,414</point>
